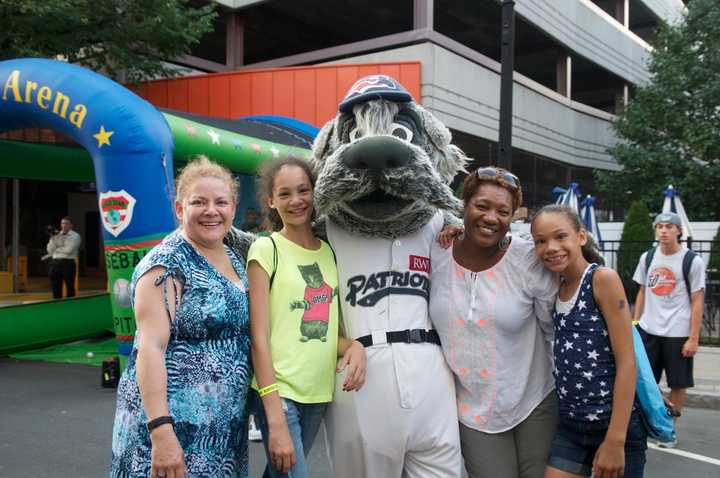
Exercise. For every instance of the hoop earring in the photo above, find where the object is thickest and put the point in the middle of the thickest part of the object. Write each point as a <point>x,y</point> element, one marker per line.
<point>504,242</point>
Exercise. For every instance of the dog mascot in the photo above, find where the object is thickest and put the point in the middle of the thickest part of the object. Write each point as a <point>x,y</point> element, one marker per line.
<point>384,164</point>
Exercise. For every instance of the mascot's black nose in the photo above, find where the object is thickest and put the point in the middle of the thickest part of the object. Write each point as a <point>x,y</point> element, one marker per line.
<point>377,152</point>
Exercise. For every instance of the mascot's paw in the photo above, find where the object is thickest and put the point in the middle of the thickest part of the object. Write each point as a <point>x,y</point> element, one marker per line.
<point>384,162</point>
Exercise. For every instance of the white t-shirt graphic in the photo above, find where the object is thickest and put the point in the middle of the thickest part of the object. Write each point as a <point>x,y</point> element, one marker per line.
<point>667,306</point>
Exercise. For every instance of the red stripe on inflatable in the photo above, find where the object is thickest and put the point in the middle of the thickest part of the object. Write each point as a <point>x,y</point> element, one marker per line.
<point>133,246</point>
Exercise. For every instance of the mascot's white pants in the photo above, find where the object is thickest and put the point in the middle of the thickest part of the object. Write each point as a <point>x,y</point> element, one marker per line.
<point>376,433</point>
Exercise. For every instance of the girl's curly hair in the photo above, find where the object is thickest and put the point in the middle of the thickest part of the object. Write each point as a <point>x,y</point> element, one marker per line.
<point>266,181</point>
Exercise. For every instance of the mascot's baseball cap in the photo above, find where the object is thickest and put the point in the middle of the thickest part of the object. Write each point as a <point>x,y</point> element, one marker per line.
<point>374,87</point>
<point>669,217</point>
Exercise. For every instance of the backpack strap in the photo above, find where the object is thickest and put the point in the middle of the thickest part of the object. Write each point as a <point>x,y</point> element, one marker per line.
<point>275,260</point>
<point>648,259</point>
<point>688,259</point>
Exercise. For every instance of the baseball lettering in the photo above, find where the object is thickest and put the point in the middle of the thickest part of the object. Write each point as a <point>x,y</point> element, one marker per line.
<point>366,291</point>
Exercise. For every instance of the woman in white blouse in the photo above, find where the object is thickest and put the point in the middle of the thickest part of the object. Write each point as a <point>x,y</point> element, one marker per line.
<point>491,302</point>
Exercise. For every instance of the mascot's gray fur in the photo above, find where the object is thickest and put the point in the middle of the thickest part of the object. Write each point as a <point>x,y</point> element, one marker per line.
<point>372,181</point>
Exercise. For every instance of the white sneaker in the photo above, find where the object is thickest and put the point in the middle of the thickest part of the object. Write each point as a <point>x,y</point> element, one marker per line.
<point>253,433</point>
<point>668,444</point>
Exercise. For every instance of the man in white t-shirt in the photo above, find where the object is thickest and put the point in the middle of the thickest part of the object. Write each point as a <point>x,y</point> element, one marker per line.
<point>670,318</point>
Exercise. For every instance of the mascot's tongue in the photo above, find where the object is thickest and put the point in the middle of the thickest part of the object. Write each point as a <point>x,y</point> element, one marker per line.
<point>378,203</point>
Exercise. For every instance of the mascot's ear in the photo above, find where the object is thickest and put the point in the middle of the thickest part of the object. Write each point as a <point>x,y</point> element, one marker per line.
<point>453,161</point>
<point>321,146</point>
<point>449,159</point>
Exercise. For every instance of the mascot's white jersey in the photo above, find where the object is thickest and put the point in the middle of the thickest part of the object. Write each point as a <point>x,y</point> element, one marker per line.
<point>403,422</point>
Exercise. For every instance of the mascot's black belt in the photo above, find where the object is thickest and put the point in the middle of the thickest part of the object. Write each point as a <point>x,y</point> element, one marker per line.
<point>410,336</point>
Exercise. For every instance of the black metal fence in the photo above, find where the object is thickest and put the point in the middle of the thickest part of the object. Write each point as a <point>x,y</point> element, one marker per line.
<point>710,331</point>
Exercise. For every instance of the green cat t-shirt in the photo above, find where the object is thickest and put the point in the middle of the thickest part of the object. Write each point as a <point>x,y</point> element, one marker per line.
<point>303,317</point>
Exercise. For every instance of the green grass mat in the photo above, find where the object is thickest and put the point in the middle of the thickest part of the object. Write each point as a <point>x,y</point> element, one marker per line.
<point>91,352</point>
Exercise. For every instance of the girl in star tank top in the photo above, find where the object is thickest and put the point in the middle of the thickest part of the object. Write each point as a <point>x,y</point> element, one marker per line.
<point>600,431</point>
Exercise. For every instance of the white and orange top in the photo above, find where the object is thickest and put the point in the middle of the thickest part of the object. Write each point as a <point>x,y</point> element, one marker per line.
<point>496,332</point>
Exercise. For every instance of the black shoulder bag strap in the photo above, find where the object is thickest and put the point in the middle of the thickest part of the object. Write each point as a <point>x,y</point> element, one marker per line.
<point>275,261</point>
<point>648,259</point>
<point>686,266</point>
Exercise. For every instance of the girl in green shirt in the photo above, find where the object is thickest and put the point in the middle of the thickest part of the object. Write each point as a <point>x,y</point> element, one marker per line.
<point>294,316</point>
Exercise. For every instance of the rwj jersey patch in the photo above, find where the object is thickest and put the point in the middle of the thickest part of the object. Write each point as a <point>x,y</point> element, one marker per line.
<point>116,211</point>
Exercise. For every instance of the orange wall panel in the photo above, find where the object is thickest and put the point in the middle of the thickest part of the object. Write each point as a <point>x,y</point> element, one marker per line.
<point>326,95</point>
<point>157,93</point>
<point>261,100</point>
<point>305,96</point>
<point>366,70</point>
<point>346,76</point>
<point>308,93</point>
<point>219,98</point>
<point>240,95</point>
<point>199,94</point>
<point>283,93</point>
<point>178,95</point>
<point>410,78</point>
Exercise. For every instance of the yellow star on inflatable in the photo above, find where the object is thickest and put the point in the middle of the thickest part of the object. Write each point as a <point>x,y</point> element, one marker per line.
<point>103,137</point>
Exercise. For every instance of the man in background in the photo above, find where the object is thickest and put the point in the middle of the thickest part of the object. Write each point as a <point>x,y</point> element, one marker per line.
<point>669,307</point>
<point>63,248</point>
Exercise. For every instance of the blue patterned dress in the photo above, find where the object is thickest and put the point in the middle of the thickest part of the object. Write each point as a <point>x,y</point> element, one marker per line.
<point>208,370</point>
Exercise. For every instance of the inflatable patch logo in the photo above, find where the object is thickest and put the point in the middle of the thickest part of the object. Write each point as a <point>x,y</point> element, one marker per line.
<point>116,210</point>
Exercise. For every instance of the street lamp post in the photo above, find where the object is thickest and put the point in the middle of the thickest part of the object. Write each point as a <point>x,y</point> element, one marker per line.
<point>506,83</point>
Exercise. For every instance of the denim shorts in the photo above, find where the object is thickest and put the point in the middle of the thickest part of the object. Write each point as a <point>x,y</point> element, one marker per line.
<point>575,444</point>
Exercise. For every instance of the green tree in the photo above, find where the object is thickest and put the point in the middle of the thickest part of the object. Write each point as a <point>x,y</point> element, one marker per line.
<point>714,263</point>
<point>637,237</point>
<point>670,130</point>
<point>129,40</point>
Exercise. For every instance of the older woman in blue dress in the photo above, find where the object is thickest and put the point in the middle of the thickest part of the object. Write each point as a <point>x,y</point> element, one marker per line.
<point>181,401</point>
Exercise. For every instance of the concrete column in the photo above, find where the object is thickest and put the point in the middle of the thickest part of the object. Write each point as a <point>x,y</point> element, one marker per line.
<point>235,40</point>
<point>621,98</point>
<point>622,12</point>
<point>563,75</point>
<point>423,14</point>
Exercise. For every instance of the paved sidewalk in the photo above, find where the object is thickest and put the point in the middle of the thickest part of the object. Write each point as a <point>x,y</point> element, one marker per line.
<point>706,393</point>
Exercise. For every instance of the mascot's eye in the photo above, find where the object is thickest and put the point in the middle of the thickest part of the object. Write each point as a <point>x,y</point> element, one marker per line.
<point>402,132</point>
<point>354,134</point>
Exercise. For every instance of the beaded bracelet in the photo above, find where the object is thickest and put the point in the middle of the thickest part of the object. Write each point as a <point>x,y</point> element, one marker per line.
<point>273,387</point>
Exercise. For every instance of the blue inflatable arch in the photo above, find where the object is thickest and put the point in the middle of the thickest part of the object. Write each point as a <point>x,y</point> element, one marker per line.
<point>131,146</point>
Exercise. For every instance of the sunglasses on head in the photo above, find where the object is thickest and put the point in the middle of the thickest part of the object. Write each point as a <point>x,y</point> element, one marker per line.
<point>491,172</point>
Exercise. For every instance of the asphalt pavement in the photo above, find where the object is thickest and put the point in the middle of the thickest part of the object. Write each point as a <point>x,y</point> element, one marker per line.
<point>56,421</point>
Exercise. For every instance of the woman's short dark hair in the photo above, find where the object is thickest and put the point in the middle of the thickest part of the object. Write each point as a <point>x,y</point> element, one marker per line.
<point>590,250</point>
<point>473,182</point>
<point>266,181</point>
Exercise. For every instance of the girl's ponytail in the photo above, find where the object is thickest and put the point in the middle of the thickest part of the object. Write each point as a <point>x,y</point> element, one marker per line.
<point>591,253</point>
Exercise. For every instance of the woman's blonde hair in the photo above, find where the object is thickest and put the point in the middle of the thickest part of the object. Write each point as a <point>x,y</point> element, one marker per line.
<point>202,167</point>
